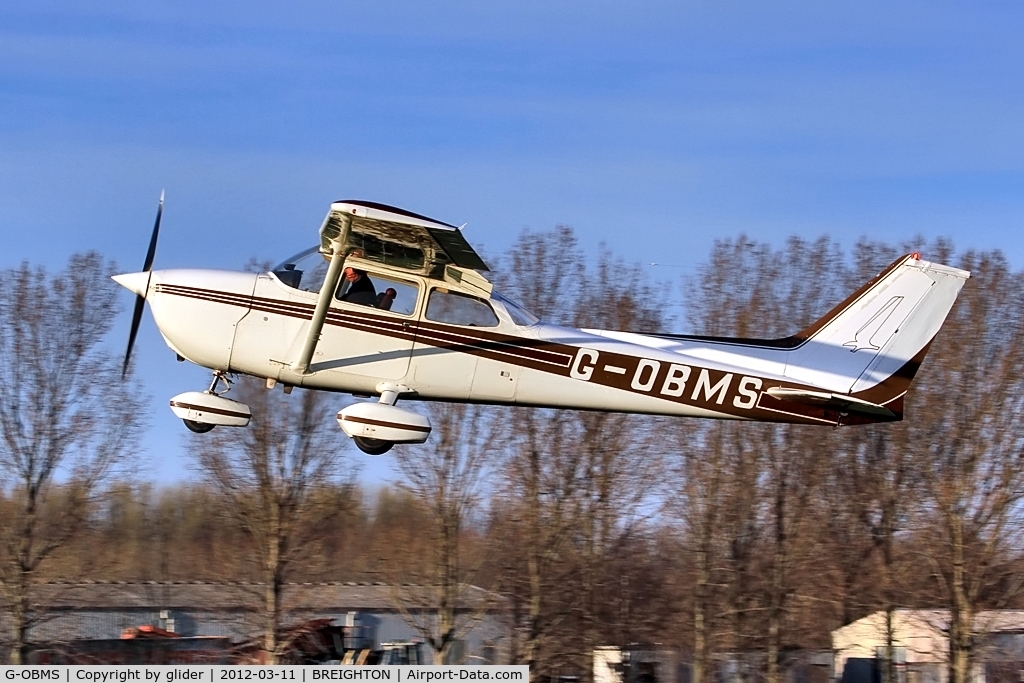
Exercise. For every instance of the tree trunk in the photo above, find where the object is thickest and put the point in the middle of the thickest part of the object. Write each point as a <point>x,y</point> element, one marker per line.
<point>889,670</point>
<point>19,617</point>
<point>272,601</point>
<point>67,418</point>
<point>700,646</point>
<point>705,562</point>
<point>534,559</point>
<point>449,586</point>
<point>889,665</point>
<point>778,587</point>
<point>23,571</point>
<point>270,643</point>
<point>961,616</point>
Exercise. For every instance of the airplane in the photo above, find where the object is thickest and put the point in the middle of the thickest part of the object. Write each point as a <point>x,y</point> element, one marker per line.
<point>394,305</point>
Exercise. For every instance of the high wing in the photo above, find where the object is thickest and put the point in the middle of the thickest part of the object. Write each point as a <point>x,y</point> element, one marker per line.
<point>397,238</point>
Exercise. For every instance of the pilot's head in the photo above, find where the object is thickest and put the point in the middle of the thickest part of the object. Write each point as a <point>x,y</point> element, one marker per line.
<point>351,274</point>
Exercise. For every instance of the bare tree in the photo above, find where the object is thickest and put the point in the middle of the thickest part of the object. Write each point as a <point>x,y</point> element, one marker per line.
<point>575,482</point>
<point>270,478</point>
<point>729,296</point>
<point>747,487</point>
<point>868,489</point>
<point>621,458</point>
<point>67,421</point>
<point>699,504</point>
<point>543,473</point>
<point>809,279</point>
<point>777,535</point>
<point>446,477</point>
<point>966,419</point>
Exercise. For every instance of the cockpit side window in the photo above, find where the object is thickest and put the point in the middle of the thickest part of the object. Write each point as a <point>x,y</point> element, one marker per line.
<point>459,309</point>
<point>307,270</point>
<point>380,291</point>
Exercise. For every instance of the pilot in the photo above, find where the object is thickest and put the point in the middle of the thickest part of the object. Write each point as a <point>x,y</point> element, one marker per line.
<point>360,288</point>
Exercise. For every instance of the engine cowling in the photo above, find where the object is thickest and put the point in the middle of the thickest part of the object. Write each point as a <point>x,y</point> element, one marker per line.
<point>207,408</point>
<point>384,422</point>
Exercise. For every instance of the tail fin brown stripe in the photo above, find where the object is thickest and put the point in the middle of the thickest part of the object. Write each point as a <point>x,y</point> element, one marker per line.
<point>891,391</point>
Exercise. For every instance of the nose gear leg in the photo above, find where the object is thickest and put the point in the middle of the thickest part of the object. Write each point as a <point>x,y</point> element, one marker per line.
<point>201,411</point>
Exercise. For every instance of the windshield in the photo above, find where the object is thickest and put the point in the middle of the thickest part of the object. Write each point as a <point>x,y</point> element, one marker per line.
<point>306,270</point>
<point>520,316</point>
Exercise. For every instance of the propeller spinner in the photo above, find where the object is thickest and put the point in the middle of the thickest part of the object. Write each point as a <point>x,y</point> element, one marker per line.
<point>140,293</point>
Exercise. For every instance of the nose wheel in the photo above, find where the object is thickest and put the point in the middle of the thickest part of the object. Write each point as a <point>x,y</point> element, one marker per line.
<point>201,411</point>
<point>203,427</point>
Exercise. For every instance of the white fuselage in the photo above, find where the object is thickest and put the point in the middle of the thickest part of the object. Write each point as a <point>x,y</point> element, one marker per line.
<point>254,324</point>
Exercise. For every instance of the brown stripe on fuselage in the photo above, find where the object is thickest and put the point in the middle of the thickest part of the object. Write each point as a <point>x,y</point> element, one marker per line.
<point>610,369</point>
<point>228,298</point>
<point>495,345</point>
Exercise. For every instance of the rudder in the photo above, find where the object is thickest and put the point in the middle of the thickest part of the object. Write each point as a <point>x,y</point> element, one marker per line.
<point>871,344</point>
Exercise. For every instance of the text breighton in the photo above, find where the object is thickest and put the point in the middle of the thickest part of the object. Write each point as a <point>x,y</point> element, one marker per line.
<point>360,674</point>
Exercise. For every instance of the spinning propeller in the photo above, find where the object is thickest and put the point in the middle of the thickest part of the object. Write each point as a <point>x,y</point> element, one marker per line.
<point>140,299</point>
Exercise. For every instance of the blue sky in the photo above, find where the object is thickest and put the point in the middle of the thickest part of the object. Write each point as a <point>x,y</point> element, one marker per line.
<point>655,127</point>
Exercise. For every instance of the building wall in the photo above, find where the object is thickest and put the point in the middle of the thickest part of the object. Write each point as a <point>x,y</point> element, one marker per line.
<point>487,639</point>
<point>917,637</point>
<point>922,647</point>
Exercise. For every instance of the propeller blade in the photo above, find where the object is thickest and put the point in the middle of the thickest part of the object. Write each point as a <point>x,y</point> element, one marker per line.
<point>140,301</point>
<point>156,231</point>
<point>140,304</point>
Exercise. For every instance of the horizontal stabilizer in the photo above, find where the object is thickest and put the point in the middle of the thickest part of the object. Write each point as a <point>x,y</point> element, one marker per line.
<point>838,402</point>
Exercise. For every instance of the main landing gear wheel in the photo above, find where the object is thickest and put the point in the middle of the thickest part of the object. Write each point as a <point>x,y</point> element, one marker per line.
<point>198,427</point>
<point>371,446</point>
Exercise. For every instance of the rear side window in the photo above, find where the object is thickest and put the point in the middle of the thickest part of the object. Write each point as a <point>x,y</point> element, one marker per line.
<point>397,296</point>
<point>460,309</point>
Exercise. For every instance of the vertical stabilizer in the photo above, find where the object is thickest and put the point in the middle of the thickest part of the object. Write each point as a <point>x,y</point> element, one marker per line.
<point>881,331</point>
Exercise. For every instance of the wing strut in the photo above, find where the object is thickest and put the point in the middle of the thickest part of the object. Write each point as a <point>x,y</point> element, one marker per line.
<point>323,302</point>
